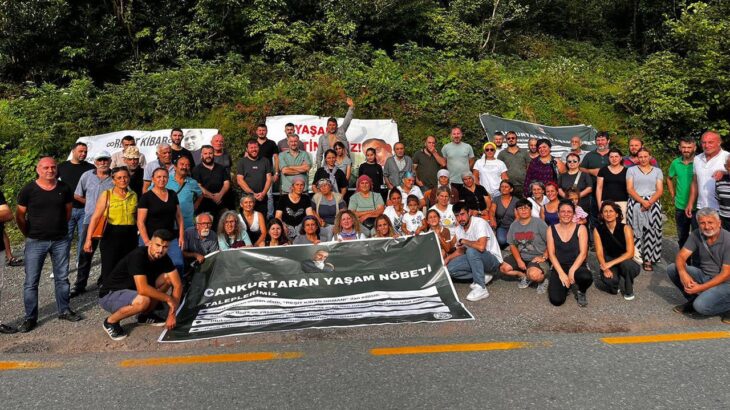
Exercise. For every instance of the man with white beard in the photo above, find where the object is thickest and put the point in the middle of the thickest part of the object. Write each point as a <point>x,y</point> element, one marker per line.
<point>707,287</point>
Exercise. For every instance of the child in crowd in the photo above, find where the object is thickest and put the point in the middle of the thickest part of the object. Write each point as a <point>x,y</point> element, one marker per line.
<point>580,216</point>
<point>413,219</point>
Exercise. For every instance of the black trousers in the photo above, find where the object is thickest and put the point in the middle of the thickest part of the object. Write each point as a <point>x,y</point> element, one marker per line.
<point>557,293</point>
<point>626,270</point>
<point>118,242</point>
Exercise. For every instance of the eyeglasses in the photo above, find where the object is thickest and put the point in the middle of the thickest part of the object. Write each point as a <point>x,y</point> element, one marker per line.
<point>233,222</point>
<point>572,161</point>
<point>489,149</point>
<point>511,138</point>
<point>204,223</point>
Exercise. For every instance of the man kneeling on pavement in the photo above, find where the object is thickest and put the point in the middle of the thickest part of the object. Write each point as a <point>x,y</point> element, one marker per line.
<point>707,287</point>
<point>477,252</point>
<point>138,283</point>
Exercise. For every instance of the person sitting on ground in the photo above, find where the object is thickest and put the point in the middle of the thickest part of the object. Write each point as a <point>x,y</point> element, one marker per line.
<point>253,220</point>
<point>408,187</point>
<point>326,203</point>
<point>200,240</point>
<point>614,242</point>
<point>568,257</point>
<point>527,237</point>
<point>445,209</point>
<point>502,212</point>
<point>396,209</point>
<point>475,195</point>
<point>707,287</point>
<point>443,181</point>
<point>276,233</point>
<point>347,226</point>
<point>581,216</point>
<point>413,220</point>
<point>384,228</point>
<point>138,283</point>
<point>309,233</point>
<point>446,239</point>
<point>477,253</point>
<point>549,211</point>
<point>538,197</point>
<point>366,204</point>
<point>231,233</point>
<point>294,206</point>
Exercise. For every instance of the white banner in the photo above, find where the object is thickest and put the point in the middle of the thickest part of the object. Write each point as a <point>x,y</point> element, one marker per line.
<point>362,134</point>
<point>147,141</point>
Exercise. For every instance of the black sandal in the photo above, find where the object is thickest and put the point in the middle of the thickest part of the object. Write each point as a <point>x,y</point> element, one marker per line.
<point>648,267</point>
<point>13,261</point>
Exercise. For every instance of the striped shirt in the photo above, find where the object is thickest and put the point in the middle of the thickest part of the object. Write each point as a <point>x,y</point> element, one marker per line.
<point>722,194</point>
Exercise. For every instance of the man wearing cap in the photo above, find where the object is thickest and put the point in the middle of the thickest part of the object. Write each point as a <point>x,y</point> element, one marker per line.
<point>91,184</point>
<point>396,166</point>
<point>118,157</point>
<point>427,163</point>
<point>443,181</point>
<point>132,158</point>
<point>254,175</point>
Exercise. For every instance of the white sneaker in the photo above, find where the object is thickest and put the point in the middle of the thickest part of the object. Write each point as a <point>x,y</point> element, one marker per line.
<point>487,278</point>
<point>477,294</point>
<point>524,283</point>
<point>629,296</point>
<point>473,285</point>
<point>542,286</point>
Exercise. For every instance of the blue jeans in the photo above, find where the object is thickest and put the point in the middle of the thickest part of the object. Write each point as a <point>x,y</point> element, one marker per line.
<point>76,223</point>
<point>502,237</point>
<point>175,254</point>
<point>713,301</point>
<point>473,265</point>
<point>683,225</point>
<point>35,255</point>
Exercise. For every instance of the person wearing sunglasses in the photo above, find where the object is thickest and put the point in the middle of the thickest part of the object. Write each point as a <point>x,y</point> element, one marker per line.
<point>489,170</point>
<point>574,178</point>
<point>516,159</point>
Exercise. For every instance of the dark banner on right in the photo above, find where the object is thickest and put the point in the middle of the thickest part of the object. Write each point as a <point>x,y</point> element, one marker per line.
<point>559,136</point>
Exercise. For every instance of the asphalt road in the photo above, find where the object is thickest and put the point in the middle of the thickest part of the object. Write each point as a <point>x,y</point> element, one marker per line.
<point>544,357</point>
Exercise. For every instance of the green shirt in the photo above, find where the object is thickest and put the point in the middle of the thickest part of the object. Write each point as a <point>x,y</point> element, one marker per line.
<point>358,203</point>
<point>287,160</point>
<point>594,160</point>
<point>516,165</point>
<point>681,175</point>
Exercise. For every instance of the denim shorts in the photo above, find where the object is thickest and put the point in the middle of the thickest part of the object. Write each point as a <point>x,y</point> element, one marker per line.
<point>113,301</point>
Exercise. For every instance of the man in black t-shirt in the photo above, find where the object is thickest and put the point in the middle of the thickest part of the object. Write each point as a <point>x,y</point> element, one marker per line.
<point>5,215</point>
<point>253,175</point>
<point>138,283</point>
<point>269,150</point>
<point>70,172</point>
<point>44,209</point>
<point>176,149</point>
<point>214,182</point>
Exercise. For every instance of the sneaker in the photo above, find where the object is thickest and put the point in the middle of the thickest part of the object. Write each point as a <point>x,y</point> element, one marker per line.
<point>524,283</point>
<point>150,319</point>
<point>477,294</point>
<point>70,316</point>
<point>685,309</point>
<point>488,278</point>
<point>542,286</point>
<point>115,331</point>
<point>581,298</point>
<point>473,285</point>
<point>27,325</point>
<point>629,296</point>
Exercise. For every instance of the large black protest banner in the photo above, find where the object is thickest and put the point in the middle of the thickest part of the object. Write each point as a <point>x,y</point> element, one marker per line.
<point>368,282</point>
<point>558,136</point>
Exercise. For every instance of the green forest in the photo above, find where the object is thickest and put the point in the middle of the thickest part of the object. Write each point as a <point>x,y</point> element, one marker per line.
<point>68,68</point>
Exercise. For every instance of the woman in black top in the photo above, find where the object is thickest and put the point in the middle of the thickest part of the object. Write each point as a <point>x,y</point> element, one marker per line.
<point>611,182</point>
<point>293,207</point>
<point>614,243</point>
<point>372,169</point>
<point>159,208</point>
<point>330,172</point>
<point>475,196</point>
<point>567,244</point>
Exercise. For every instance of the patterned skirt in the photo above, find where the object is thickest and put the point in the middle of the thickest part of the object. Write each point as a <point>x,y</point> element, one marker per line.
<point>647,226</point>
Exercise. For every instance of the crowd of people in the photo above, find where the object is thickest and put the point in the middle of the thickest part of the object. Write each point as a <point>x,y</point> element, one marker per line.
<point>524,213</point>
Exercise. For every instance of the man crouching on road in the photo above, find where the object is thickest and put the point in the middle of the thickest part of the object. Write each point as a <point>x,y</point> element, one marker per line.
<point>138,283</point>
<point>477,252</point>
<point>707,287</point>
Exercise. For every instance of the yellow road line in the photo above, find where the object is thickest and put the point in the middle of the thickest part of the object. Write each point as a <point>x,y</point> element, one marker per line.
<point>216,358</point>
<point>676,337</point>
<point>27,365</point>
<point>469,347</point>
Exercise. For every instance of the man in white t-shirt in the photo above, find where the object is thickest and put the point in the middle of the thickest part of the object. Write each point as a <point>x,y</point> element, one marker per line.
<point>708,167</point>
<point>477,252</point>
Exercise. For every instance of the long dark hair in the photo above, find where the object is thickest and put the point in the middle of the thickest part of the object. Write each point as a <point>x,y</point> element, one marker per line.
<point>284,237</point>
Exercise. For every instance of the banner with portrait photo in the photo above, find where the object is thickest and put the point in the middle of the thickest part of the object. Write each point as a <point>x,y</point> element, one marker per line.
<point>361,134</point>
<point>338,284</point>
<point>147,141</point>
<point>559,136</point>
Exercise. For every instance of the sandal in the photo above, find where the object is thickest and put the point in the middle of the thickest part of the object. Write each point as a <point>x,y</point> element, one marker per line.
<point>13,261</point>
<point>648,267</point>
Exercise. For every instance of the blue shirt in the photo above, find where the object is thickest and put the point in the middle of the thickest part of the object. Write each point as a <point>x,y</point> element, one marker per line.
<point>89,187</point>
<point>186,196</point>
